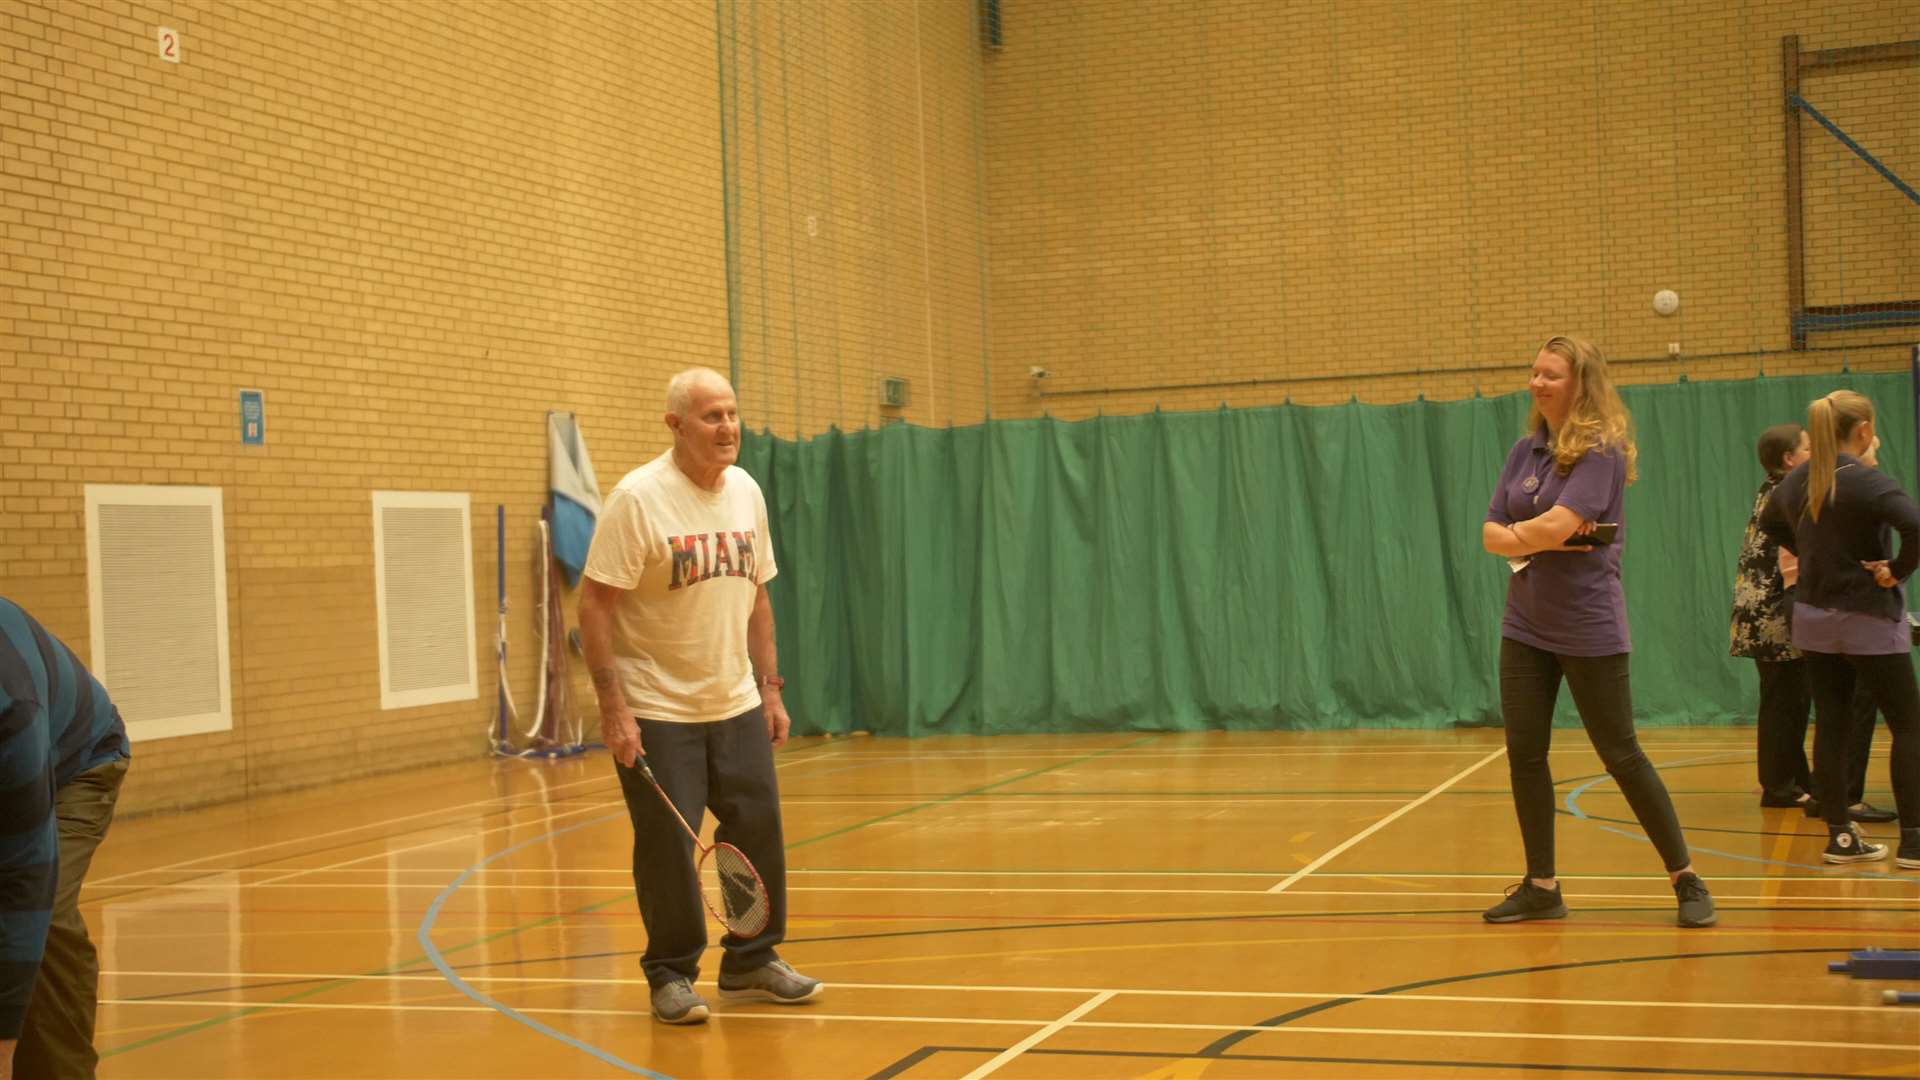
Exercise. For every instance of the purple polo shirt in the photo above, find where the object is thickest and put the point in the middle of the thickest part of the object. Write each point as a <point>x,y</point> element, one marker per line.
<point>1566,602</point>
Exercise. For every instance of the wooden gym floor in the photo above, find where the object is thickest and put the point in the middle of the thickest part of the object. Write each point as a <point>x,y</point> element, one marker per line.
<point>1122,905</point>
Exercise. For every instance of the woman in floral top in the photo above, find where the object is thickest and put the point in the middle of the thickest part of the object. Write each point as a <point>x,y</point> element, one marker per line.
<point>1762,597</point>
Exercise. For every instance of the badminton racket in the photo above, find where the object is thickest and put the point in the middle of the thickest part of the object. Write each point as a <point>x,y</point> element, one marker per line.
<point>736,896</point>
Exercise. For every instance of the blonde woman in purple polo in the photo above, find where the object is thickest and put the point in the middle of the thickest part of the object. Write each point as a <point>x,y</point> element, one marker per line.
<point>1566,618</point>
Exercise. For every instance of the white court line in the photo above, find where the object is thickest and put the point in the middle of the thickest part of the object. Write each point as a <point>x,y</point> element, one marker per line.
<point>809,1015</point>
<point>1417,875</point>
<point>1410,875</point>
<point>183,864</point>
<point>1260,995</point>
<point>533,800</point>
<point>460,838</point>
<point>1053,798</point>
<point>1162,750</point>
<point>1323,860</point>
<point>1037,1037</point>
<point>1901,902</point>
<point>442,842</point>
<point>1552,1036</point>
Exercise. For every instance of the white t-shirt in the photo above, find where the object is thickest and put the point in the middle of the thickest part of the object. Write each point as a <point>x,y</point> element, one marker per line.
<point>693,561</point>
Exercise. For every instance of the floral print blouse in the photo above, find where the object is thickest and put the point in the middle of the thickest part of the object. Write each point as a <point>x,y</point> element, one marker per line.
<point>1761,599</point>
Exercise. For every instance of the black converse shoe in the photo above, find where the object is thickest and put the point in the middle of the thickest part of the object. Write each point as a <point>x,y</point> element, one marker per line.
<point>1847,845</point>
<point>1527,901</point>
<point>1909,856</point>
<point>1696,903</point>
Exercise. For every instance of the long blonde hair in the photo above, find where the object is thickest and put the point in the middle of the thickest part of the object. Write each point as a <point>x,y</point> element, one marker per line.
<point>1596,418</point>
<point>1830,420</point>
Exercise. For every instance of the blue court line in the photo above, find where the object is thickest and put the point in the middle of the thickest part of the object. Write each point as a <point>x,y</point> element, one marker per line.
<point>425,938</point>
<point>1573,807</point>
<point>1847,141</point>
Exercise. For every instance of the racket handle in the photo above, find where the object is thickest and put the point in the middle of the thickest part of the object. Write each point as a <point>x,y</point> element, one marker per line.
<point>641,764</point>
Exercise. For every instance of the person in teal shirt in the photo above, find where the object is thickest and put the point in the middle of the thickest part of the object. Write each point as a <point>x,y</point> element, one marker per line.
<point>63,754</point>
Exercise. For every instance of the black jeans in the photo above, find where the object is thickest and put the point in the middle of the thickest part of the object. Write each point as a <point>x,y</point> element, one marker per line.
<point>57,1039</point>
<point>1529,686</point>
<point>1786,704</point>
<point>727,765</point>
<point>1889,681</point>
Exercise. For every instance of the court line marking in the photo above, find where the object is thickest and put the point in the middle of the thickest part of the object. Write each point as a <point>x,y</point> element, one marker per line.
<point>1038,1037</point>
<point>1323,860</point>
<point>185,863</point>
<point>1837,874</point>
<point>1265,995</point>
<point>549,819</point>
<point>441,842</point>
<point>808,1015</point>
<point>383,886</point>
<point>425,934</point>
<point>532,800</point>
<point>424,937</point>
<point>1273,752</point>
<point>826,752</point>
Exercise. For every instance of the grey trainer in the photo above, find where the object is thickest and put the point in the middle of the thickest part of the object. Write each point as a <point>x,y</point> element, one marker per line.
<point>676,1003</point>
<point>1527,901</point>
<point>774,982</point>
<point>1696,903</point>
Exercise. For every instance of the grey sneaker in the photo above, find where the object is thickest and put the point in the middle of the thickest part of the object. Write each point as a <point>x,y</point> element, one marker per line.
<point>1696,903</point>
<point>676,1003</point>
<point>774,982</point>
<point>1527,901</point>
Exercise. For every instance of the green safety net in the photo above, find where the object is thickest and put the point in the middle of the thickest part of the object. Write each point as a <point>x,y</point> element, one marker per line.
<point>1289,567</point>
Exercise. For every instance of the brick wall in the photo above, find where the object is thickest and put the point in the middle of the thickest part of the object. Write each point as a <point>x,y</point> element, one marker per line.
<point>417,227</point>
<point>1240,201</point>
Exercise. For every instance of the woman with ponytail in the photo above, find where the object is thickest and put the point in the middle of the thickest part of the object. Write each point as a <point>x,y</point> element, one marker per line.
<point>1837,515</point>
<point>1566,618</point>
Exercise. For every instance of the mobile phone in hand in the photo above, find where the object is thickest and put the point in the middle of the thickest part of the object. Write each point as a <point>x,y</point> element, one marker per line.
<point>1603,533</point>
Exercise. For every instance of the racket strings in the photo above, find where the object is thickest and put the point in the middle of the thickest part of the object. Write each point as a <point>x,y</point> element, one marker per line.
<point>743,897</point>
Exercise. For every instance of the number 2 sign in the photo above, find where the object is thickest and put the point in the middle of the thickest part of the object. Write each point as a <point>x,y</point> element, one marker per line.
<point>169,45</point>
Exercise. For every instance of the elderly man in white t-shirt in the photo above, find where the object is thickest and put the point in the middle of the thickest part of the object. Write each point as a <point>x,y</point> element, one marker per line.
<point>678,632</point>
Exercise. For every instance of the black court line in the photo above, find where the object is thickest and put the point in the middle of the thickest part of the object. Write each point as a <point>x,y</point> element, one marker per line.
<point>1219,1047</point>
<point>567,958</point>
<point>926,1052</point>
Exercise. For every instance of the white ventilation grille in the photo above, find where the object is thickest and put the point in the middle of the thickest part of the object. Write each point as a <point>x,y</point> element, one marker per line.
<point>157,606</point>
<point>423,585</point>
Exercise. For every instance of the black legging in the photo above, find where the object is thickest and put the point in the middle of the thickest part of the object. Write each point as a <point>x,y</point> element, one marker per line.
<point>1529,685</point>
<point>1890,680</point>
<point>1786,702</point>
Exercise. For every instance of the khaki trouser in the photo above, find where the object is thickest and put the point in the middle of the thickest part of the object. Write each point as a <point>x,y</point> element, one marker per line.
<point>57,1039</point>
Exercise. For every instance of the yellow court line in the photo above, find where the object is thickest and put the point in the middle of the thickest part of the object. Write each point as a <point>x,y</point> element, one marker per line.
<point>1414,997</point>
<point>1718,933</point>
<point>812,1016</point>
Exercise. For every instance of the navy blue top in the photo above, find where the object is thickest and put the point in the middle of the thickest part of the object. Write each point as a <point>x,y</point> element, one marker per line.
<point>56,722</point>
<point>1566,602</point>
<point>1857,525</point>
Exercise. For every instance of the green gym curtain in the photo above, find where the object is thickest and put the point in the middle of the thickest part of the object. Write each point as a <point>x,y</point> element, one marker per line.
<point>1287,567</point>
